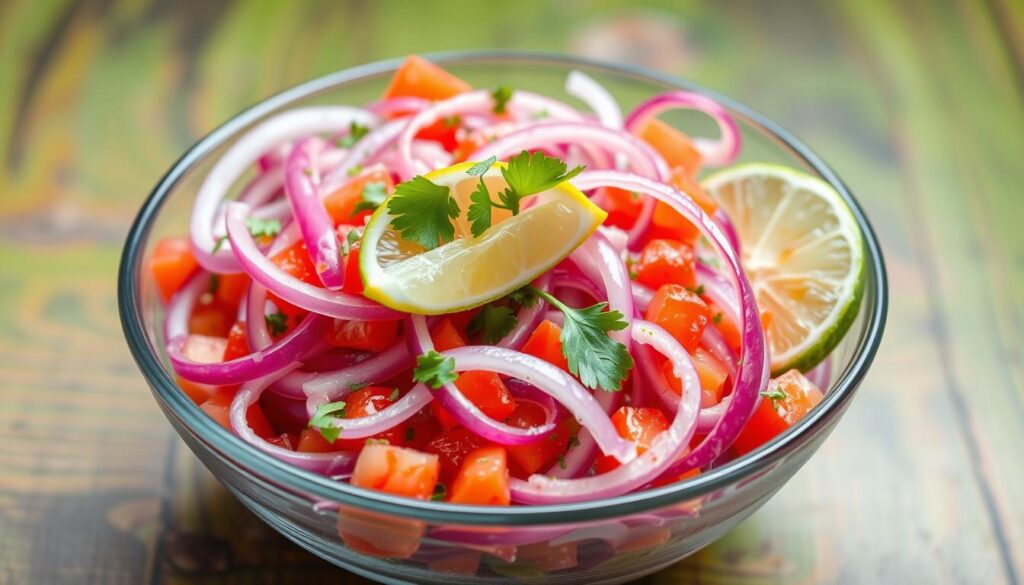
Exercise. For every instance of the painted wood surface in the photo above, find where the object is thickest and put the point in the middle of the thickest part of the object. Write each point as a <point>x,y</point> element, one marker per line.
<point>918,105</point>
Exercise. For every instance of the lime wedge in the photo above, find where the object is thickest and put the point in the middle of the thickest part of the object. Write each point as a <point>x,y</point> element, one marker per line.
<point>471,271</point>
<point>803,253</point>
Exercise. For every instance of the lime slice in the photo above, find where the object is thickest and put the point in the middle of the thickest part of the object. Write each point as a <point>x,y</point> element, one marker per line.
<point>803,253</point>
<point>470,271</point>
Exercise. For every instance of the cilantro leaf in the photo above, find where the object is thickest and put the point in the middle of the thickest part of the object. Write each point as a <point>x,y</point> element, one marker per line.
<point>220,242</point>
<point>493,323</point>
<point>354,170</point>
<point>323,420</point>
<point>774,393</point>
<point>479,214</point>
<point>525,296</point>
<point>357,386</point>
<point>374,193</point>
<point>434,370</point>
<point>439,492</point>
<point>277,323</point>
<point>598,360</point>
<point>394,395</point>
<point>424,212</point>
<point>717,318</point>
<point>528,173</point>
<point>353,236</point>
<point>501,97</point>
<point>263,228</point>
<point>356,131</point>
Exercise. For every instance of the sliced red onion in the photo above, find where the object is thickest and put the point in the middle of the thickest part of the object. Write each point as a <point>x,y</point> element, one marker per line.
<point>523,391</point>
<point>729,228</point>
<point>279,129</point>
<point>719,290</point>
<point>280,209</point>
<point>287,351</point>
<point>583,285</point>
<point>586,89</point>
<point>290,289</point>
<point>329,464</point>
<point>642,158</point>
<point>179,309</point>
<point>310,214</point>
<point>713,341</point>
<point>642,225</point>
<point>722,151</point>
<point>667,447</point>
<point>368,148</point>
<point>383,420</point>
<point>752,375</point>
<point>477,102</point>
<point>462,408</point>
<point>617,237</point>
<point>529,106</point>
<point>381,366</point>
<point>386,108</point>
<point>642,296</point>
<point>528,318</point>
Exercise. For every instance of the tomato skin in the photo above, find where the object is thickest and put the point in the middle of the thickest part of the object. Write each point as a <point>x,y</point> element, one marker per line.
<point>417,77</point>
<point>623,207</point>
<point>451,447</point>
<point>311,441</point>
<point>686,181</point>
<point>353,278</point>
<point>367,401</point>
<point>482,479</point>
<point>545,343</point>
<point>675,146</point>
<point>681,313</point>
<point>710,371</point>
<point>341,204</point>
<point>772,417</point>
<point>231,288</point>
<point>375,336</point>
<point>238,342</point>
<point>444,131</point>
<point>171,265</point>
<point>396,470</point>
<point>421,429</point>
<point>295,261</point>
<point>525,460</point>
<point>726,327</point>
<point>666,262</point>
<point>637,424</point>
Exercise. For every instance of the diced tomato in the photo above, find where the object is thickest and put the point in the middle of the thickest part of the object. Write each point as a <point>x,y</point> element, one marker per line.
<point>637,424</point>
<point>799,396</point>
<point>445,131</point>
<point>172,264</point>
<point>238,342</point>
<point>204,349</point>
<point>546,344</point>
<point>623,207</point>
<point>675,146</point>
<point>666,262</point>
<point>525,460</point>
<point>421,429</point>
<point>395,470</point>
<point>686,182</point>
<point>375,336</point>
<point>379,535</point>
<point>212,318</point>
<point>296,262</point>
<point>418,77</point>
<point>726,327</point>
<point>484,389</point>
<point>680,312</point>
<point>311,441</point>
<point>218,408</point>
<point>367,401</point>
<point>547,557</point>
<point>353,278</point>
<point>469,144</point>
<point>451,448</point>
<point>483,479</point>
<point>711,372</point>
<point>462,564</point>
<point>231,288</point>
<point>341,204</point>
<point>199,393</point>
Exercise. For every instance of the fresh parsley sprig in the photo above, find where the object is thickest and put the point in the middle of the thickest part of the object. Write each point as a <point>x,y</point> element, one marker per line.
<point>356,131</point>
<point>423,212</point>
<point>598,360</point>
<point>324,417</point>
<point>434,369</point>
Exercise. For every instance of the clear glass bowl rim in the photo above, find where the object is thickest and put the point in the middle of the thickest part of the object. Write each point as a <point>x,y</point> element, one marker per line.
<point>313,487</point>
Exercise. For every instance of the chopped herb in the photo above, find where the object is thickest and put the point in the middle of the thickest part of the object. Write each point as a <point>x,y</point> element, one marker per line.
<point>356,131</point>
<point>277,323</point>
<point>220,242</point>
<point>598,360</point>
<point>394,395</point>
<point>375,441</point>
<point>524,296</point>
<point>697,290</point>
<point>424,212</point>
<point>493,323</point>
<point>561,461</point>
<point>717,318</point>
<point>501,97</point>
<point>373,195</point>
<point>439,493</point>
<point>307,171</point>
<point>351,238</point>
<point>214,283</point>
<point>774,393</point>
<point>434,369</point>
<point>354,386</point>
<point>410,433</point>
<point>324,418</point>
<point>354,170</point>
<point>540,114</point>
<point>263,228</point>
<point>452,121</point>
<point>574,441</point>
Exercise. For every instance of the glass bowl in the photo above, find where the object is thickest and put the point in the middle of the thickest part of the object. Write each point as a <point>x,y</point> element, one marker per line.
<point>395,540</point>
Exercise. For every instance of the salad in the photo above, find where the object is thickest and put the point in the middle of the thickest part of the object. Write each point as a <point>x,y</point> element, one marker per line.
<point>488,296</point>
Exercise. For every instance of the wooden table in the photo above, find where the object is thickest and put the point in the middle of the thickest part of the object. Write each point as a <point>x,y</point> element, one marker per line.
<point>919,106</point>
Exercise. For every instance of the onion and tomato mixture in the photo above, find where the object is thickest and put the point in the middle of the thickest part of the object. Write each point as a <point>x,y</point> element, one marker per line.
<point>631,356</point>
